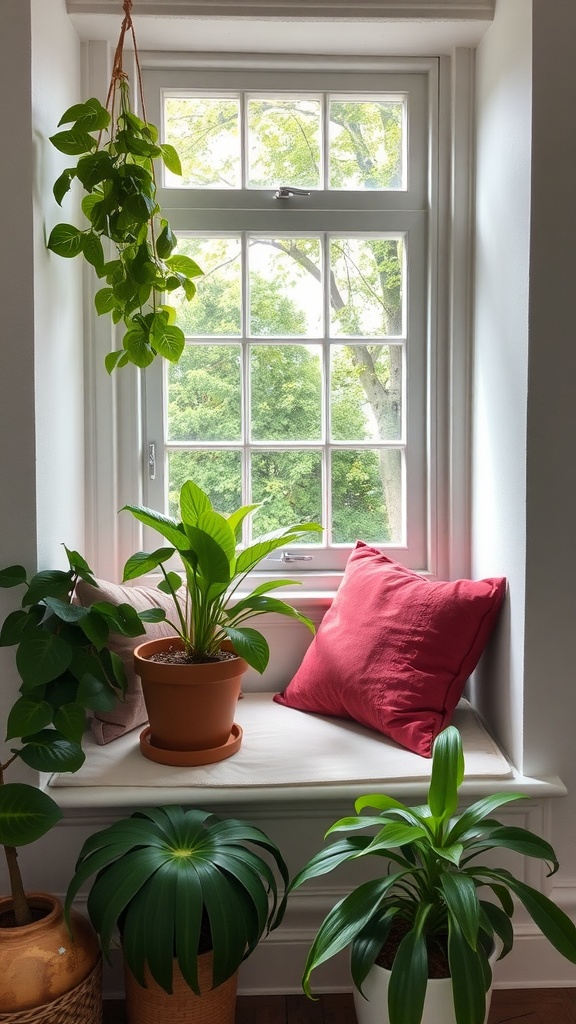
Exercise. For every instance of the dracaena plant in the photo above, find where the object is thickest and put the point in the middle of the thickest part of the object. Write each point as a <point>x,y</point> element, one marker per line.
<point>66,671</point>
<point>206,543</point>
<point>122,212</point>
<point>178,883</point>
<point>430,894</point>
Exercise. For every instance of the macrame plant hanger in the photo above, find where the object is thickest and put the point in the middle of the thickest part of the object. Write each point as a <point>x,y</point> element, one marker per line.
<point>118,73</point>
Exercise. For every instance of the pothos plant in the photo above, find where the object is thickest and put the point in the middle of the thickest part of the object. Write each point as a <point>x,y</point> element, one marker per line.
<point>120,205</point>
<point>66,671</point>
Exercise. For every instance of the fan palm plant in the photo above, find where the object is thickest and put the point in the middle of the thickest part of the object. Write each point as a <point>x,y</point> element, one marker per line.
<point>177,882</point>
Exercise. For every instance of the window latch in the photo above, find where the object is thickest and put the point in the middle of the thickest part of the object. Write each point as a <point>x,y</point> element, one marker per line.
<point>287,557</point>
<point>152,461</point>
<point>286,191</point>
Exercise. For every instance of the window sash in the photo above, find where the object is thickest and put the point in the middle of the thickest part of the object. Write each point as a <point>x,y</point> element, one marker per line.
<point>325,212</point>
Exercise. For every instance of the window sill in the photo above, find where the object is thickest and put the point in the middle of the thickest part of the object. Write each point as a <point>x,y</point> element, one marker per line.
<point>286,758</point>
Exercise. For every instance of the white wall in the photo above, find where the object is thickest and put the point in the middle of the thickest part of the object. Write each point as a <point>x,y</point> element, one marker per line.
<point>524,417</point>
<point>503,97</point>
<point>41,450</point>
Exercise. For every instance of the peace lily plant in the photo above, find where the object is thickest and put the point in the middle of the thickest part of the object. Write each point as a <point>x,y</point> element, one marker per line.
<point>430,893</point>
<point>206,543</point>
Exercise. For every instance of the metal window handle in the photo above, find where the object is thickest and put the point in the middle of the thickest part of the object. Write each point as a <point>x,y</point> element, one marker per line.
<point>287,557</point>
<point>285,191</point>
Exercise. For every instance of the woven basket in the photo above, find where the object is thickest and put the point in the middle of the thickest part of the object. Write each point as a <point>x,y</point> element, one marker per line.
<point>81,1005</point>
<point>152,1005</point>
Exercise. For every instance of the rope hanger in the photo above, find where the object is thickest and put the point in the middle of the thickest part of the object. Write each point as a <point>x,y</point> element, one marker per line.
<point>118,73</point>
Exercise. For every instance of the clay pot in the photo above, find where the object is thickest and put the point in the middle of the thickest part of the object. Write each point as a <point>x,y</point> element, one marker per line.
<point>42,963</point>
<point>190,708</point>
<point>151,1005</point>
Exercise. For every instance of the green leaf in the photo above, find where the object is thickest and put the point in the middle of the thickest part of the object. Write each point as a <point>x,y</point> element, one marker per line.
<point>63,183</point>
<point>12,576</point>
<point>447,773</point>
<point>164,525</point>
<point>70,720</point>
<point>92,249</point>
<point>18,622</point>
<point>462,902</point>
<point>26,814</point>
<point>250,645</point>
<point>73,142</point>
<point>153,615</point>
<point>145,561</point>
<point>42,656</point>
<point>27,716</point>
<point>171,159</point>
<point>95,628</point>
<point>184,265</point>
<point>95,694</point>
<point>167,339</point>
<point>50,751</point>
<point>94,169</point>
<point>113,359</point>
<point>552,922</point>
<point>104,302</point>
<point>408,980</point>
<point>193,503</point>
<point>467,972</point>
<point>521,841</point>
<point>172,583</point>
<point>135,343</point>
<point>48,583</point>
<point>212,556</point>
<point>66,240</point>
<point>65,611</point>
<point>166,241</point>
<point>478,811</point>
<point>91,115</point>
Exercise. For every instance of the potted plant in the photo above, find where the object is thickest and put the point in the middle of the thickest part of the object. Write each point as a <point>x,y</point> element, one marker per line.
<point>66,670</point>
<point>191,897</point>
<point>191,682</point>
<point>426,909</point>
<point>121,212</point>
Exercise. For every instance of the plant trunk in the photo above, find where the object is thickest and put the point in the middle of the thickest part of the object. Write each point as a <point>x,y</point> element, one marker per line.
<point>22,912</point>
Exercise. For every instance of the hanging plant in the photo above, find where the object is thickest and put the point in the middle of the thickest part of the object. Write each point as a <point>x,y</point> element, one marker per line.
<point>121,208</point>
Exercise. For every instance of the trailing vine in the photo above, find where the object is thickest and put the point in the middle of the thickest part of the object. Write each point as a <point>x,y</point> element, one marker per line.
<point>121,208</point>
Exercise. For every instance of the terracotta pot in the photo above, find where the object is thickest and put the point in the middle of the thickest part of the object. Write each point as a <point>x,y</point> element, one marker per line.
<point>40,963</point>
<point>151,1005</point>
<point>190,708</point>
<point>438,1004</point>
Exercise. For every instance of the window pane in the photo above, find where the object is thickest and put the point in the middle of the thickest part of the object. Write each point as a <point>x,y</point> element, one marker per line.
<point>206,133</point>
<point>284,142</point>
<point>219,473</point>
<point>290,485</point>
<point>366,144</point>
<point>367,496</point>
<point>367,286</point>
<point>216,310</point>
<point>366,392</point>
<point>286,392</point>
<point>204,394</point>
<point>285,287</point>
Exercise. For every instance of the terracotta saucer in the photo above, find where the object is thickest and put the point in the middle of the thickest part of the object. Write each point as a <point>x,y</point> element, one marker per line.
<point>190,758</point>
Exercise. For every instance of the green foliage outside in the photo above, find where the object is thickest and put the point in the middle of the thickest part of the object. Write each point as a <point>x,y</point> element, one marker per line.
<point>285,303</point>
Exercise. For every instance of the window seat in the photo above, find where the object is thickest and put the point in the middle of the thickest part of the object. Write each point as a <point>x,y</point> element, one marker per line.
<point>287,756</point>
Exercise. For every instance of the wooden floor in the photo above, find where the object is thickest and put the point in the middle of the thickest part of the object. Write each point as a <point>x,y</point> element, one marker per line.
<point>509,1006</point>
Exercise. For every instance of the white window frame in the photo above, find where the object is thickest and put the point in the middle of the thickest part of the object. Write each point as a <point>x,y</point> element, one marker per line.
<point>118,431</point>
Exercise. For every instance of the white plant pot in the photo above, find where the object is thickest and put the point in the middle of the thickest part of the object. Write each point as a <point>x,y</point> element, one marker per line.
<point>438,1004</point>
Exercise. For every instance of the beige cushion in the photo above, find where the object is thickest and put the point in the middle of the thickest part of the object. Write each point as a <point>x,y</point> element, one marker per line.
<point>130,713</point>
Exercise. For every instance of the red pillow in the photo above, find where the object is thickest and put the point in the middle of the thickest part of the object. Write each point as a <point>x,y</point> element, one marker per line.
<point>394,650</point>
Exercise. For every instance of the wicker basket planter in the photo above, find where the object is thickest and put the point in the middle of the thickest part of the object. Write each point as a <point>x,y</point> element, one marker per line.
<point>48,976</point>
<point>151,1005</point>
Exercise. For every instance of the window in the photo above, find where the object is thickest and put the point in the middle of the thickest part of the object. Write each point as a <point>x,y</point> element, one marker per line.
<point>304,380</point>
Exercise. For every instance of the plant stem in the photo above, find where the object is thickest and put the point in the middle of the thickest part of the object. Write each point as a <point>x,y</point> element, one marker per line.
<point>22,912</point>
